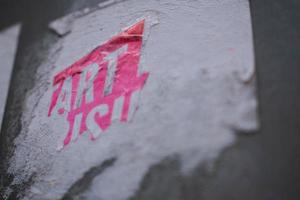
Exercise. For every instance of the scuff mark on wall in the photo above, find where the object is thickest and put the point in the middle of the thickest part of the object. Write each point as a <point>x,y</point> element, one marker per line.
<point>81,185</point>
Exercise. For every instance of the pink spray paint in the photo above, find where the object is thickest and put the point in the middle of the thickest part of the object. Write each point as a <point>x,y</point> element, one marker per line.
<point>88,88</point>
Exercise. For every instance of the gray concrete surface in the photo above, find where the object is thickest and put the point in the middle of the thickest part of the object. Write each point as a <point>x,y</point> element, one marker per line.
<point>8,44</point>
<point>264,166</point>
<point>191,105</point>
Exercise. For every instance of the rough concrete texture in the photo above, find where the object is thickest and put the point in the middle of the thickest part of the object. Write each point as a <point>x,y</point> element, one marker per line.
<point>8,45</point>
<point>199,93</point>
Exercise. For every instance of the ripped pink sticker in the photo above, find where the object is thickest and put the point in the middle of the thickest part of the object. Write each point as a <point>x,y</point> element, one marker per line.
<point>100,87</point>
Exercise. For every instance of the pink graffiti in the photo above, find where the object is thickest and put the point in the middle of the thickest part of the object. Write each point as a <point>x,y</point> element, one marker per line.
<point>100,86</point>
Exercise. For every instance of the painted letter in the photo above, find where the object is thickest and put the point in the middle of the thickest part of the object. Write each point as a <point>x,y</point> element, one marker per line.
<point>112,59</point>
<point>91,123</point>
<point>86,84</point>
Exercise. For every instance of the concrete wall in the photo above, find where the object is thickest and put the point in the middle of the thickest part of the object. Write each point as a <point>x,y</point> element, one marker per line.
<point>199,56</point>
<point>8,43</point>
<point>199,93</point>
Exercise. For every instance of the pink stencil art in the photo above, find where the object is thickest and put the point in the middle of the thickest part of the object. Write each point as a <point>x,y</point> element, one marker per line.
<point>101,87</point>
